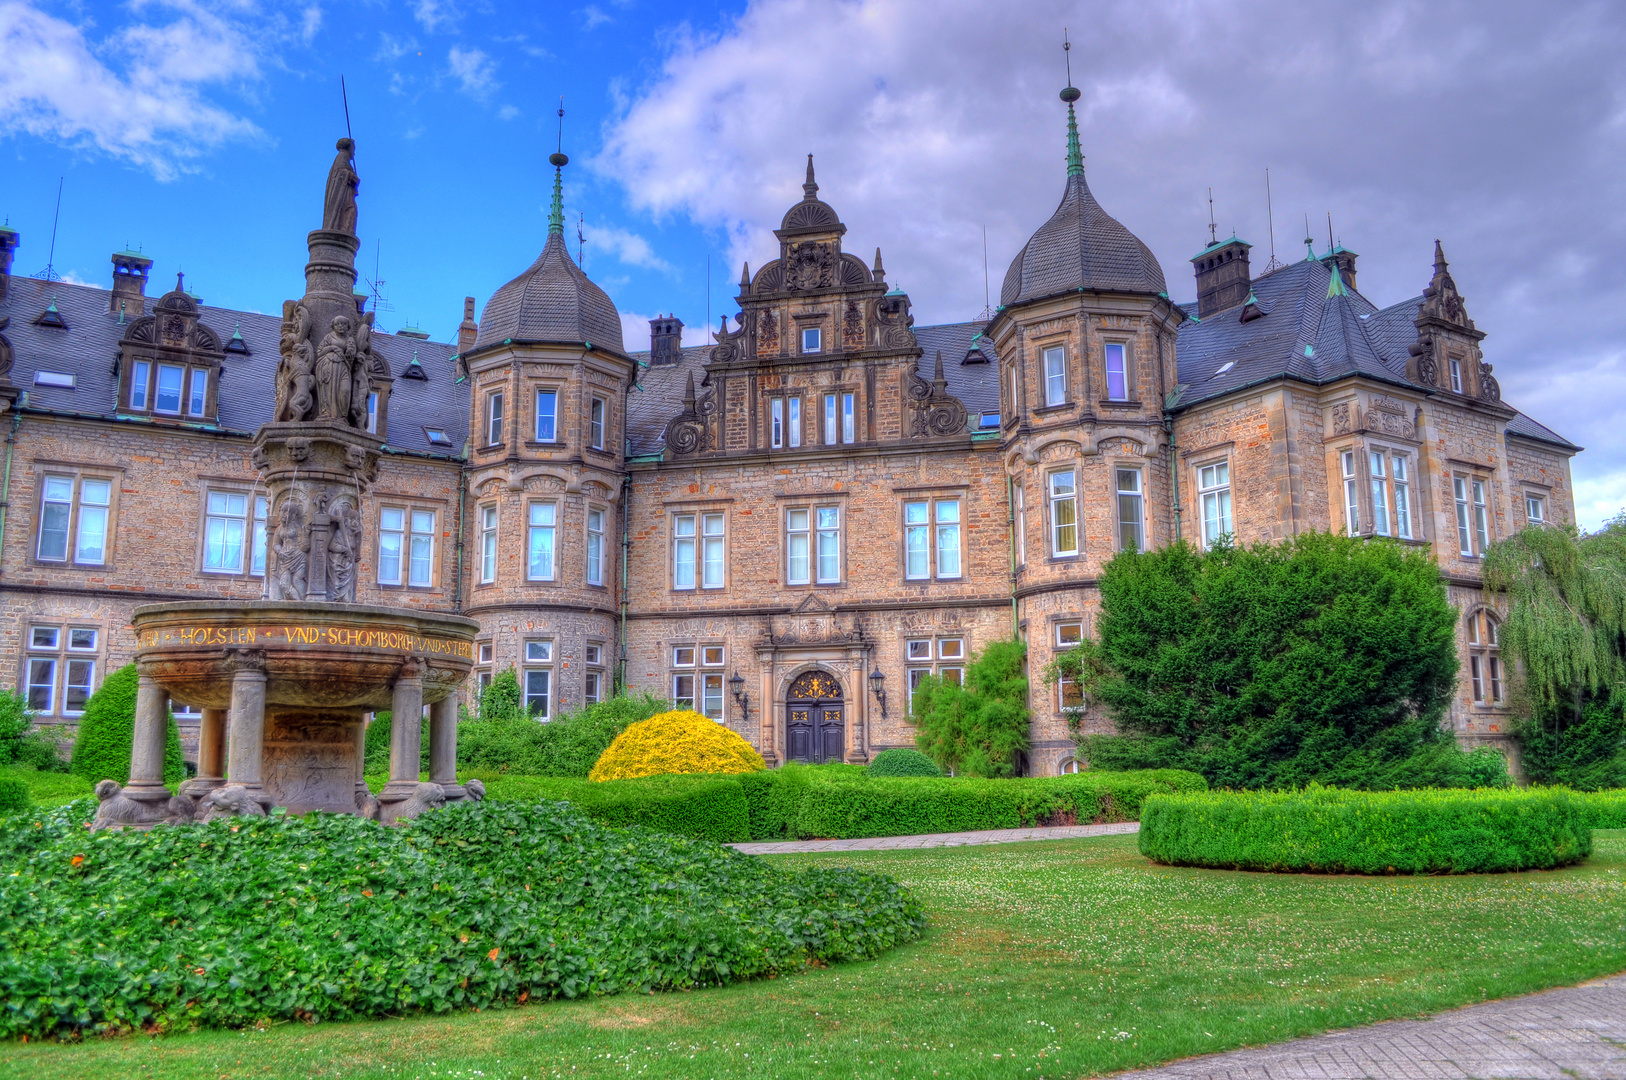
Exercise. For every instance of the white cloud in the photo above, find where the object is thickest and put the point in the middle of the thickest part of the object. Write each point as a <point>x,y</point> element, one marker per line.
<point>593,17</point>
<point>475,70</point>
<point>310,22</point>
<point>434,14</point>
<point>1500,134</point>
<point>53,85</point>
<point>627,247</point>
<point>392,48</point>
<point>508,112</point>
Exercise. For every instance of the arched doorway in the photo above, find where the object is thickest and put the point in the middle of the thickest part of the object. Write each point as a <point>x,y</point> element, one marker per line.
<point>815,729</point>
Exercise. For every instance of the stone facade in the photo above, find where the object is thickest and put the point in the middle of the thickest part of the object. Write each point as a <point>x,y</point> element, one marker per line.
<point>827,490</point>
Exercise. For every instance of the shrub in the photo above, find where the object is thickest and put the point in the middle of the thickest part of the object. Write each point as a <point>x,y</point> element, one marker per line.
<point>502,700</point>
<point>680,741</point>
<point>376,747</point>
<point>568,745</point>
<point>1323,658</point>
<point>1330,830</point>
<point>901,761</point>
<point>701,806</point>
<point>48,788</point>
<point>107,734</point>
<point>474,906</point>
<point>13,795</point>
<point>981,728</point>
<point>1603,809</point>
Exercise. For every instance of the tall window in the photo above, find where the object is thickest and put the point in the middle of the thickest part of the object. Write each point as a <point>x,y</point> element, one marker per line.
<point>849,426</point>
<point>539,541</point>
<point>262,508</point>
<point>711,556</point>
<point>539,680</point>
<point>918,656</point>
<point>1063,513</point>
<point>711,682</point>
<point>793,421</point>
<point>1535,509</point>
<point>372,412</point>
<point>595,547</point>
<point>1380,494</point>
<point>199,392</point>
<point>1481,516</point>
<point>1456,375</point>
<point>1214,497</point>
<point>1069,635</point>
<point>168,397</point>
<point>1352,495</point>
<point>813,545</point>
<point>1402,491</point>
<point>421,564</point>
<point>697,558</point>
<point>1473,516</point>
<point>1117,372</point>
<point>776,413</point>
<point>391,541</point>
<point>494,419</point>
<point>1131,518</point>
<point>61,668</point>
<point>831,432</point>
<point>595,427</point>
<point>593,679</point>
<point>1485,657</point>
<point>812,340</point>
<point>1055,376</point>
<point>547,415</point>
<point>931,532</point>
<point>683,551</point>
<point>74,524</point>
<point>225,525</point>
<point>1014,379</point>
<point>140,375</point>
<point>488,544</point>
<point>406,542</point>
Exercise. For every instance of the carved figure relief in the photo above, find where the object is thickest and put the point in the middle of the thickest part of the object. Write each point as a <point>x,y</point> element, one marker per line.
<point>809,265</point>
<point>296,374</point>
<point>290,544</point>
<point>343,552</point>
<point>335,360</point>
<point>852,327</point>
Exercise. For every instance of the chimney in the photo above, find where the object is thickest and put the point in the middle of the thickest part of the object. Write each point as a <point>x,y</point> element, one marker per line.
<point>129,284</point>
<point>468,329</point>
<point>1223,280</point>
<point>1345,261</point>
<point>8,244</point>
<point>665,340</point>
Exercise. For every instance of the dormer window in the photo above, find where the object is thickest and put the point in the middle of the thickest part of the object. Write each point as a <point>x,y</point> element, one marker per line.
<point>1456,375</point>
<point>54,378</point>
<point>812,340</point>
<point>168,398</point>
<point>199,394</point>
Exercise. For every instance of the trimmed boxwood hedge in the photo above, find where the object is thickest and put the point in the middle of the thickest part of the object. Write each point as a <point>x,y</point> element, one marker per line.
<point>329,916</point>
<point>1333,830</point>
<point>705,807</point>
<point>13,795</point>
<point>1603,809</point>
<point>901,761</point>
<point>102,749</point>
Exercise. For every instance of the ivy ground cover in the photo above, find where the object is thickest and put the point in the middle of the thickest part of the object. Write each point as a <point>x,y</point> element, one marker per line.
<point>332,917</point>
<point>1052,959</point>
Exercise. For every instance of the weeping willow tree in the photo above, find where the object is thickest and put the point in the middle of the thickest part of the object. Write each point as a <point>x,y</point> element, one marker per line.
<point>1566,633</point>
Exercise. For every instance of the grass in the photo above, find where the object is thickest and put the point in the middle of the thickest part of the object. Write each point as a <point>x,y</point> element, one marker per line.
<point>1050,959</point>
<point>48,788</point>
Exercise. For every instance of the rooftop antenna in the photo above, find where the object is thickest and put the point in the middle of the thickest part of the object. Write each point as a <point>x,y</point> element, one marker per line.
<point>49,273</point>
<point>1270,216</point>
<point>708,293</point>
<point>376,285</point>
<point>987,308</point>
<point>1213,237</point>
<point>1066,55</point>
<point>344,96</point>
<point>581,242</point>
<point>1329,232</point>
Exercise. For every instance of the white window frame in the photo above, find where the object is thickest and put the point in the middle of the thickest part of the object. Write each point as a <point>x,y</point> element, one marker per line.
<point>598,415</point>
<point>391,543</point>
<point>595,545</point>
<point>1535,509</point>
<point>197,392</point>
<point>684,542</point>
<point>812,340</point>
<point>494,405</point>
<point>537,682</point>
<point>1119,350</point>
<point>226,519</point>
<point>1401,472</point>
<point>1459,494</point>
<point>60,660</point>
<point>1068,635</point>
<point>827,553</point>
<point>179,372</point>
<point>421,525</point>
<point>1214,501</point>
<point>1130,499</point>
<point>1378,473</point>
<point>541,540</point>
<point>831,433</point>
<point>1352,494</point>
<point>140,384</point>
<point>776,423</point>
<point>488,544</point>
<point>81,515</point>
<point>1020,514</point>
<point>713,550</point>
<point>793,421</point>
<point>947,517</point>
<point>1055,375</point>
<point>1455,366</point>
<point>1485,674</point>
<point>1482,528</point>
<point>849,419</point>
<point>1060,502</point>
<point>547,415</point>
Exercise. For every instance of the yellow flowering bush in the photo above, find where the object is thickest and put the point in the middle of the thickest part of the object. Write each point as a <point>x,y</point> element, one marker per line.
<point>680,741</point>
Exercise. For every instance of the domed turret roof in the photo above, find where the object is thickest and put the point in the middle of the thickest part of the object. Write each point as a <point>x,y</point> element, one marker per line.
<point>1081,246</point>
<point>552,301</point>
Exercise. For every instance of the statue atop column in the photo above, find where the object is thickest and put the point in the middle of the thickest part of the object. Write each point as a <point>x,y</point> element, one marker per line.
<point>339,209</point>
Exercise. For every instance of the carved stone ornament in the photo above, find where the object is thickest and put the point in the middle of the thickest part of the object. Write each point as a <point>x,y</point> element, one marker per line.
<point>935,412</point>
<point>809,265</point>
<point>852,327</point>
<point>690,432</point>
<point>730,344</point>
<point>1385,403</point>
<point>1342,423</point>
<point>326,378</point>
<point>893,321</point>
<point>1427,367</point>
<point>1489,388</point>
<point>767,334</point>
<point>339,203</point>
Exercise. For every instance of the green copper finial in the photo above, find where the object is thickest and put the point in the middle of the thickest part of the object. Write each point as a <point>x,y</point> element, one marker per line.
<point>556,213</point>
<point>1335,287</point>
<point>1070,94</point>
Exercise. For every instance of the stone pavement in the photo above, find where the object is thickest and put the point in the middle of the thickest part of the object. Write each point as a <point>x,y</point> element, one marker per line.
<point>1576,1033</point>
<point>949,839</point>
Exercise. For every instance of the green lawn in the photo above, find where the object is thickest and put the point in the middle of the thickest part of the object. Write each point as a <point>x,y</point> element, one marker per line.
<point>1050,959</point>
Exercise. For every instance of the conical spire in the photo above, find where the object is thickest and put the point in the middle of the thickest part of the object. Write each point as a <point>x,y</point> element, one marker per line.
<point>556,213</point>
<point>810,189</point>
<point>1439,258</point>
<point>1075,153</point>
<point>745,276</point>
<point>1335,287</point>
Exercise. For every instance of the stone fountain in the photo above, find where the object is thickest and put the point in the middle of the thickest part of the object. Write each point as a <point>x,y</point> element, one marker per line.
<point>285,683</point>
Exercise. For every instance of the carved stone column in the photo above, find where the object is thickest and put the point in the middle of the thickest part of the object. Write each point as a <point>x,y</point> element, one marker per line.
<point>362,791</point>
<point>406,731</point>
<point>151,735</point>
<point>246,735</point>
<point>858,738</point>
<point>443,745</point>
<point>768,711</point>
<point>212,748</point>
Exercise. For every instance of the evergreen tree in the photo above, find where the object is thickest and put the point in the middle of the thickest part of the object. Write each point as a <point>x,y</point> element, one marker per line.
<point>1565,632</point>
<point>980,728</point>
<point>106,738</point>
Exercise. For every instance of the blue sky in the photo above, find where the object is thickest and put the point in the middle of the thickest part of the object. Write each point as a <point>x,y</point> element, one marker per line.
<point>201,131</point>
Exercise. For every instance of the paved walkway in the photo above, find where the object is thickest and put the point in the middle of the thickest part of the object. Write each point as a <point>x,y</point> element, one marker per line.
<point>1577,1033</point>
<point>947,839</point>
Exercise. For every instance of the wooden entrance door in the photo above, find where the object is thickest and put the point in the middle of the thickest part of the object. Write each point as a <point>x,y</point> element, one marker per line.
<point>815,726</point>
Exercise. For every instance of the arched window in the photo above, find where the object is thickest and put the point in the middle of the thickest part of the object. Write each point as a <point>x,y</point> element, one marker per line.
<point>1068,767</point>
<point>1485,657</point>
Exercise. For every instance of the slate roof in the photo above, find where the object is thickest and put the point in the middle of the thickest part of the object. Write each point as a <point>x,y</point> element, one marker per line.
<point>1080,247</point>
<point>553,300</point>
<point>657,396</point>
<point>1307,335</point>
<point>88,346</point>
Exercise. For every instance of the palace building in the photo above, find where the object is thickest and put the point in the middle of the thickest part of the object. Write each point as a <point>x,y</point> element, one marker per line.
<point>788,527</point>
